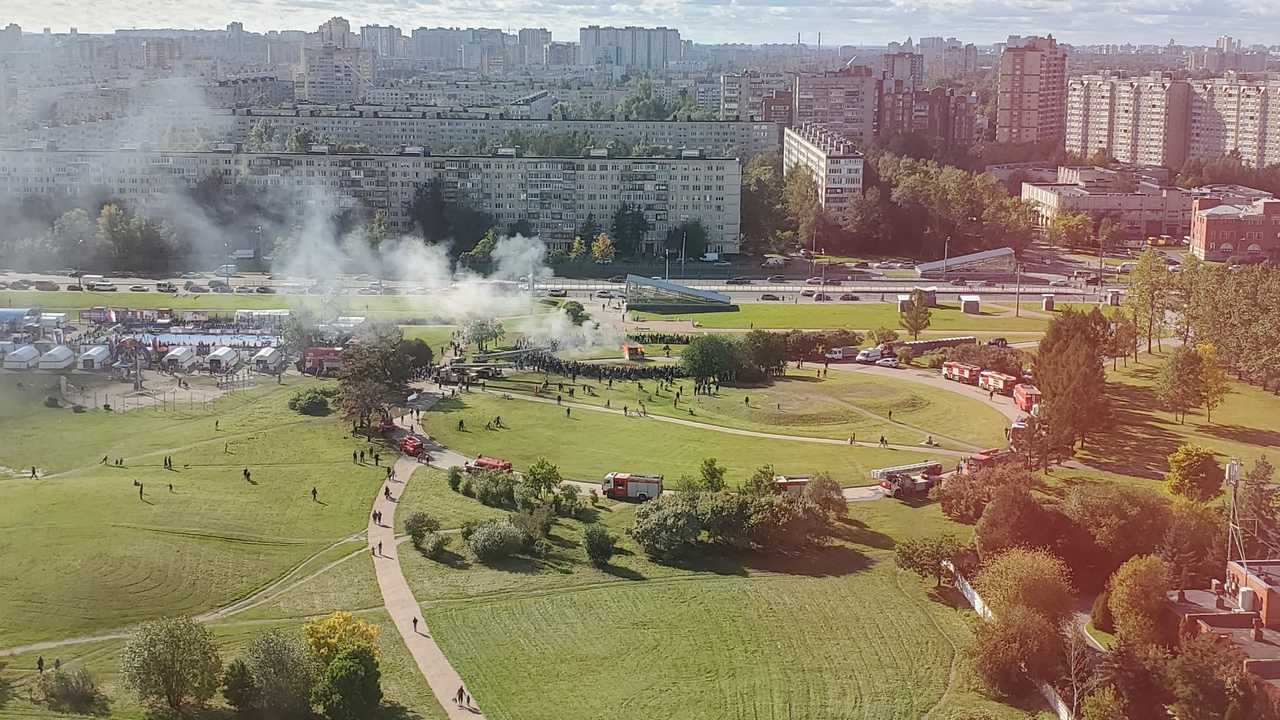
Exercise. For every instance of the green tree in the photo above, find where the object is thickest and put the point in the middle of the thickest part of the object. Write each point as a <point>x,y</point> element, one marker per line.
<point>915,317</point>
<point>1259,506</point>
<point>575,312</point>
<point>883,335</point>
<point>1180,385</point>
<point>172,663</point>
<point>760,483</point>
<point>578,250</point>
<point>1138,599</point>
<point>75,239</point>
<point>429,211</point>
<point>1103,704</point>
<point>590,227</point>
<point>763,216</point>
<point>1194,473</point>
<point>284,672</point>
<point>599,544</point>
<point>1070,229</point>
<point>1012,651</point>
<point>542,477</point>
<point>1122,339</point>
<point>710,357</point>
<point>1213,379</point>
<point>712,475</point>
<point>602,249</point>
<point>375,373</point>
<point>765,351</point>
<point>300,331</point>
<point>350,687</point>
<point>666,526</point>
<point>924,556</point>
<point>339,631</point>
<point>1034,579</point>
<point>628,230</point>
<point>484,332</point>
<point>1207,680</point>
<point>824,492</point>
<point>1148,296</point>
<point>688,239</point>
<point>1069,372</point>
<point>238,687</point>
<point>300,139</point>
<point>378,230</point>
<point>1193,544</point>
<point>800,201</point>
<point>418,525</point>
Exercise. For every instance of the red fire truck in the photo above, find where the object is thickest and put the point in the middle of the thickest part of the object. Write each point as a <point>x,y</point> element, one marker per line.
<point>997,381</point>
<point>628,486</point>
<point>1026,397</point>
<point>987,459</point>
<point>411,445</point>
<point>322,361</point>
<point>961,372</point>
<point>488,463</point>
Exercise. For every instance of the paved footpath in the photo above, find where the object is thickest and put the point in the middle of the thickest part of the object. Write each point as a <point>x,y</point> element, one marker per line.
<point>398,598</point>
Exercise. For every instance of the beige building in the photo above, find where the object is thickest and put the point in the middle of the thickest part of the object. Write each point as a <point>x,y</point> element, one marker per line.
<point>1236,113</point>
<point>1140,120</point>
<point>1141,207</point>
<point>843,101</point>
<point>829,158</point>
<point>741,94</point>
<point>331,74</point>
<point>1031,90</point>
<point>554,195</point>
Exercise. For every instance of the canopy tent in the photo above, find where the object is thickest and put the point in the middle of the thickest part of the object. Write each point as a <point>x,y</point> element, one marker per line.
<point>180,358</point>
<point>59,357</point>
<point>24,358</point>
<point>97,357</point>
<point>268,358</point>
<point>224,359</point>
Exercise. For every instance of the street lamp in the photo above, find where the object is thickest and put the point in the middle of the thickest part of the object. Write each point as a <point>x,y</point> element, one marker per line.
<point>946,253</point>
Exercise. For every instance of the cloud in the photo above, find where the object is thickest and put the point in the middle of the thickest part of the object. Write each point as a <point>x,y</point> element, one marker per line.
<point>710,21</point>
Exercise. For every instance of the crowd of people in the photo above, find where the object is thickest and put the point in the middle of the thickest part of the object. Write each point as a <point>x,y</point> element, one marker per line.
<point>548,363</point>
<point>656,338</point>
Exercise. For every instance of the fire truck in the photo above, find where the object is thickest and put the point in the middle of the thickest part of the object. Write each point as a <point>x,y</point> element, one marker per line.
<point>1026,397</point>
<point>789,484</point>
<point>987,459</point>
<point>488,463</point>
<point>997,381</point>
<point>629,486</point>
<point>961,372</point>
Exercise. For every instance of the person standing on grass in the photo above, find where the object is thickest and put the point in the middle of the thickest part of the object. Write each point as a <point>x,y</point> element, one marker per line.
<point>139,490</point>
<point>353,457</point>
<point>40,669</point>
<point>361,456</point>
<point>314,493</point>
<point>33,472</point>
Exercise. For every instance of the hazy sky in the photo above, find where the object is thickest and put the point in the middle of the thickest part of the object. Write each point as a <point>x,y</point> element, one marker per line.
<point>840,21</point>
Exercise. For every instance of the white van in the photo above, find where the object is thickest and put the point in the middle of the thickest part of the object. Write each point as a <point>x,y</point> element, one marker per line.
<point>227,269</point>
<point>870,355</point>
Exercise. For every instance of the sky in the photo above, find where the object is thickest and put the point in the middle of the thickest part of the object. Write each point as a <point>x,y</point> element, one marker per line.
<point>854,22</point>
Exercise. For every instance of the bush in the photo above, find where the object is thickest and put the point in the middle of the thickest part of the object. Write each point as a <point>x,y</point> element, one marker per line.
<point>534,523</point>
<point>1018,646</point>
<point>51,401</point>
<point>495,540</point>
<point>238,687</point>
<point>568,501</point>
<point>70,691</point>
<point>822,490</point>
<point>1100,615</point>
<point>434,544</point>
<point>495,489</point>
<point>468,487</point>
<point>905,355</point>
<point>455,478</point>
<point>284,673</point>
<point>933,359</point>
<point>599,544</point>
<point>665,526</point>
<point>1034,579</point>
<point>593,497</point>
<point>172,663</point>
<point>418,525</point>
<point>350,687</point>
<point>963,497</point>
<point>311,401</point>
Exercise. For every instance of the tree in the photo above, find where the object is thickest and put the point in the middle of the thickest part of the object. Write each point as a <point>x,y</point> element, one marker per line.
<point>1079,665</point>
<point>712,475</point>
<point>429,211</point>
<point>1148,296</point>
<point>1207,679</point>
<point>284,672</point>
<point>924,556</point>
<point>763,216</point>
<point>483,332</point>
<point>1103,704</point>
<point>578,249</point>
<point>590,228</point>
<point>417,353</point>
<point>575,312</point>
<point>1122,521</point>
<point>1213,379</point>
<point>915,316</point>
<point>375,373</point>
<point>482,251</point>
<point>765,351</point>
<point>1121,340</point>
<point>599,544</point>
<point>689,239</point>
<point>1070,229</point>
<point>496,540</point>
<point>238,687</point>
<point>418,525</point>
<point>602,249</point>
<point>378,229</point>
<point>823,491</point>
<point>1033,579</point>
<point>171,662</point>
<point>75,239</point>
<point>1138,598</point>
<point>1014,518</point>
<point>1194,544</point>
<point>882,335</point>
<point>665,526</point>
<point>337,632</point>
<point>1259,505</point>
<point>1069,372</point>
<point>542,478</point>
<point>1016,648</point>
<point>760,483</point>
<point>1194,473</point>
<point>964,496</point>
<point>300,139</point>
<point>628,229</point>
<point>800,201</point>
<point>865,222</point>
<point>350,686</point>
<point>710,357</point>
<point>1180,385</point>
<point>300,331</point>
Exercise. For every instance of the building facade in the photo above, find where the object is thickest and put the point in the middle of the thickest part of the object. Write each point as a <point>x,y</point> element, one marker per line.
<point>1236,113</point>
<point>1031,91</point>
<point>741,93</point>
<point>829,158</point>
<point>1140,121</point>
<point>554,195</point>
<point>334,75</point>
<point>843,101</point>
<point>1220,231</point>
<point>629,47</point>
<point>1140,207</point>
<point>942,116</point>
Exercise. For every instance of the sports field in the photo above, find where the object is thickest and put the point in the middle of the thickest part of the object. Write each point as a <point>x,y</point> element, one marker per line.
<point>856,316</point>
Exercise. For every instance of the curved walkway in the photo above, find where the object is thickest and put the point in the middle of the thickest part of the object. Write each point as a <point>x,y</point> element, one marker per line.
<point>398,598</point>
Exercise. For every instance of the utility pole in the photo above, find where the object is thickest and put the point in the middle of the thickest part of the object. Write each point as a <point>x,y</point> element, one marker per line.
<point>1017,290</point>
<point>946,254</point>
<point>1235,534</point>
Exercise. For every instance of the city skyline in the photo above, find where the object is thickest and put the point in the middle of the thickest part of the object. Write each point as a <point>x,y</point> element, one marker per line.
<point>1196,22</point>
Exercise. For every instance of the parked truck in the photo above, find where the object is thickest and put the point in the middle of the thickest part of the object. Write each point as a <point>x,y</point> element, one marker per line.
<point>1026,397</point>
<point>997,381</point>
<point>987,459</point>
<point>961,372</point>
<point>630,486</point>
<point>847,353</point>
<point>490,464</point>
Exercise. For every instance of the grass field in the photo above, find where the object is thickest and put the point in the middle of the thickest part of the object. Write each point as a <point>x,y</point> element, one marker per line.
<point>83,553</point>
<point>589,444</point>
<point>834,633</point>
<point>841,405</point>
<point>857,316</point>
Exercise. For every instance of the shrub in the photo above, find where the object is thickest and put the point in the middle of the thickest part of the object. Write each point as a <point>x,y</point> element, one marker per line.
<point>963,497</point>
<point>822,490</point>
<point>455,478</point>
<point>495,489</point>
<point>593,497</point>
<point>468,487</point>
<point>51,401</point>
<point>1018,646</point>
<point>311,401</point>
<point>468,528</point>
<point>172,663</point>
<point>1100,615</point>
<point>350,687</point>
<point>418,525</point>
<point>905,355</point>
<point>728,517</point>
<point>568,501</point>
<point>665,526</point>
<point>533,523</point>
<point>70,691</point>
<point>1033,579</point>
<point>238,687</point>
<point>1137,599</point>
<point>495,540</point>
<point>599,544</point>
<point>284,672</point>
<point>787,522</point>
<point>434,544</point>
<point>933,359</point>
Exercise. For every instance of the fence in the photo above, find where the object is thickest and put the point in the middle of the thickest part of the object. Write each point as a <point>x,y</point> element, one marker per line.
<point>1050,695</point>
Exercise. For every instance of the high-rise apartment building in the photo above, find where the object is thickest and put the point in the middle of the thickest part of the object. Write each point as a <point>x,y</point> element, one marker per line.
<point>629,47</point>
<point>336,32</point>
<point>1139,121</point>
<point>385,40</point>
<point>829,158</point>
<point>906,68</point>
<point>562,53</point>
<point>741,93</point>
<point>1236,113</point>
<point>842,101</point>
<point>332,75</point>
<point>533,44</point>
<point>942,116</point>
<point>1031,90</point>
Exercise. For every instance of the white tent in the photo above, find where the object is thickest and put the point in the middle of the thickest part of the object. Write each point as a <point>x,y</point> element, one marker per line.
<point>97,357</point>
<point>222,360</point>
<point>24,358</point>
<point>267,359</point>
<point>58,358</point>
<point>53,320</point>
<point>971,304</point>
<point>180,358</point>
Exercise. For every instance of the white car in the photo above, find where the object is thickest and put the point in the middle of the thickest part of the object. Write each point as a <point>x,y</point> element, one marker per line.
<point>1059,283</point>
<point>889,362</point>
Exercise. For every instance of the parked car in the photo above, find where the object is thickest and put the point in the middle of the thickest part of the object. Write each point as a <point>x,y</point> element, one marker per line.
<point>265,290</point>
<point>958,282</point>
<point>217,282</point>
<point>981,283</point>
<point>46,285</point>
<point>738,281</point>
<point>190,275</point>
<point>166,287</point>
<point>849,297</point>
<point>606,294</point>
<point>770,296</point>
<point>197,289</point>
<point>102,287</point>
<point>558,292</point>
<point>604,262</point>
<point>138,288</point>
<point>4,285</point>
<point>617,279</point>
<point>20,284</point>
<point>223,289</point>
<point>366,291</point>
<point>73,287</point>
<point>889,362</point>
<point>862,265</point>
<point>806,293</point>
<point>813,281</point>
<point>1093,280</point>
<point>821,297</point>
<point>246,290</point>
<point>1059,283</point>
<point>776,278</point>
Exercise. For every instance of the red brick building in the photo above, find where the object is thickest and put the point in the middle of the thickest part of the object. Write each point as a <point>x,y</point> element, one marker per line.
<point>1219,231</point>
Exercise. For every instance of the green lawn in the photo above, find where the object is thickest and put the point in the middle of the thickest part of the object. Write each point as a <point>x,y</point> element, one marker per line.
<point>858,316</point>
<point>841,405</point>
<point>83,553</point>
<point>833,633</point>
<point>589,444</point>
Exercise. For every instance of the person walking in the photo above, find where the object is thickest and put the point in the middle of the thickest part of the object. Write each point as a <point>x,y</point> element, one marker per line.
<point>33,472</point>
<point>40,669</point>
<point>361,456</point>
<point>353,457</point>
<point>377,458</point>
<point>415,624</point>
<point>457,697</point>
<point>568,411</point>
<point>139,491</point>
<point>379,547</point>
<point>215,426</point>
<point>314,493</point>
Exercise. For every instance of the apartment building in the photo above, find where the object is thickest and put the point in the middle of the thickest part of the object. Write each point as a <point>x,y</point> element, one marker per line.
<point>385,40</point>
<point>742,94</point>
<point>1236,113</point>
<point>829,158</point>
<point>1140,120</point>
<point>843,101</point>
<point>629,47</point>
<point>331,74</point>
<point>533,45</point>
<point>1139,205</point>
<point>1031,90</point>
<point>1220,229</point>
<point>941,115</point>
<point>554,195</point>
